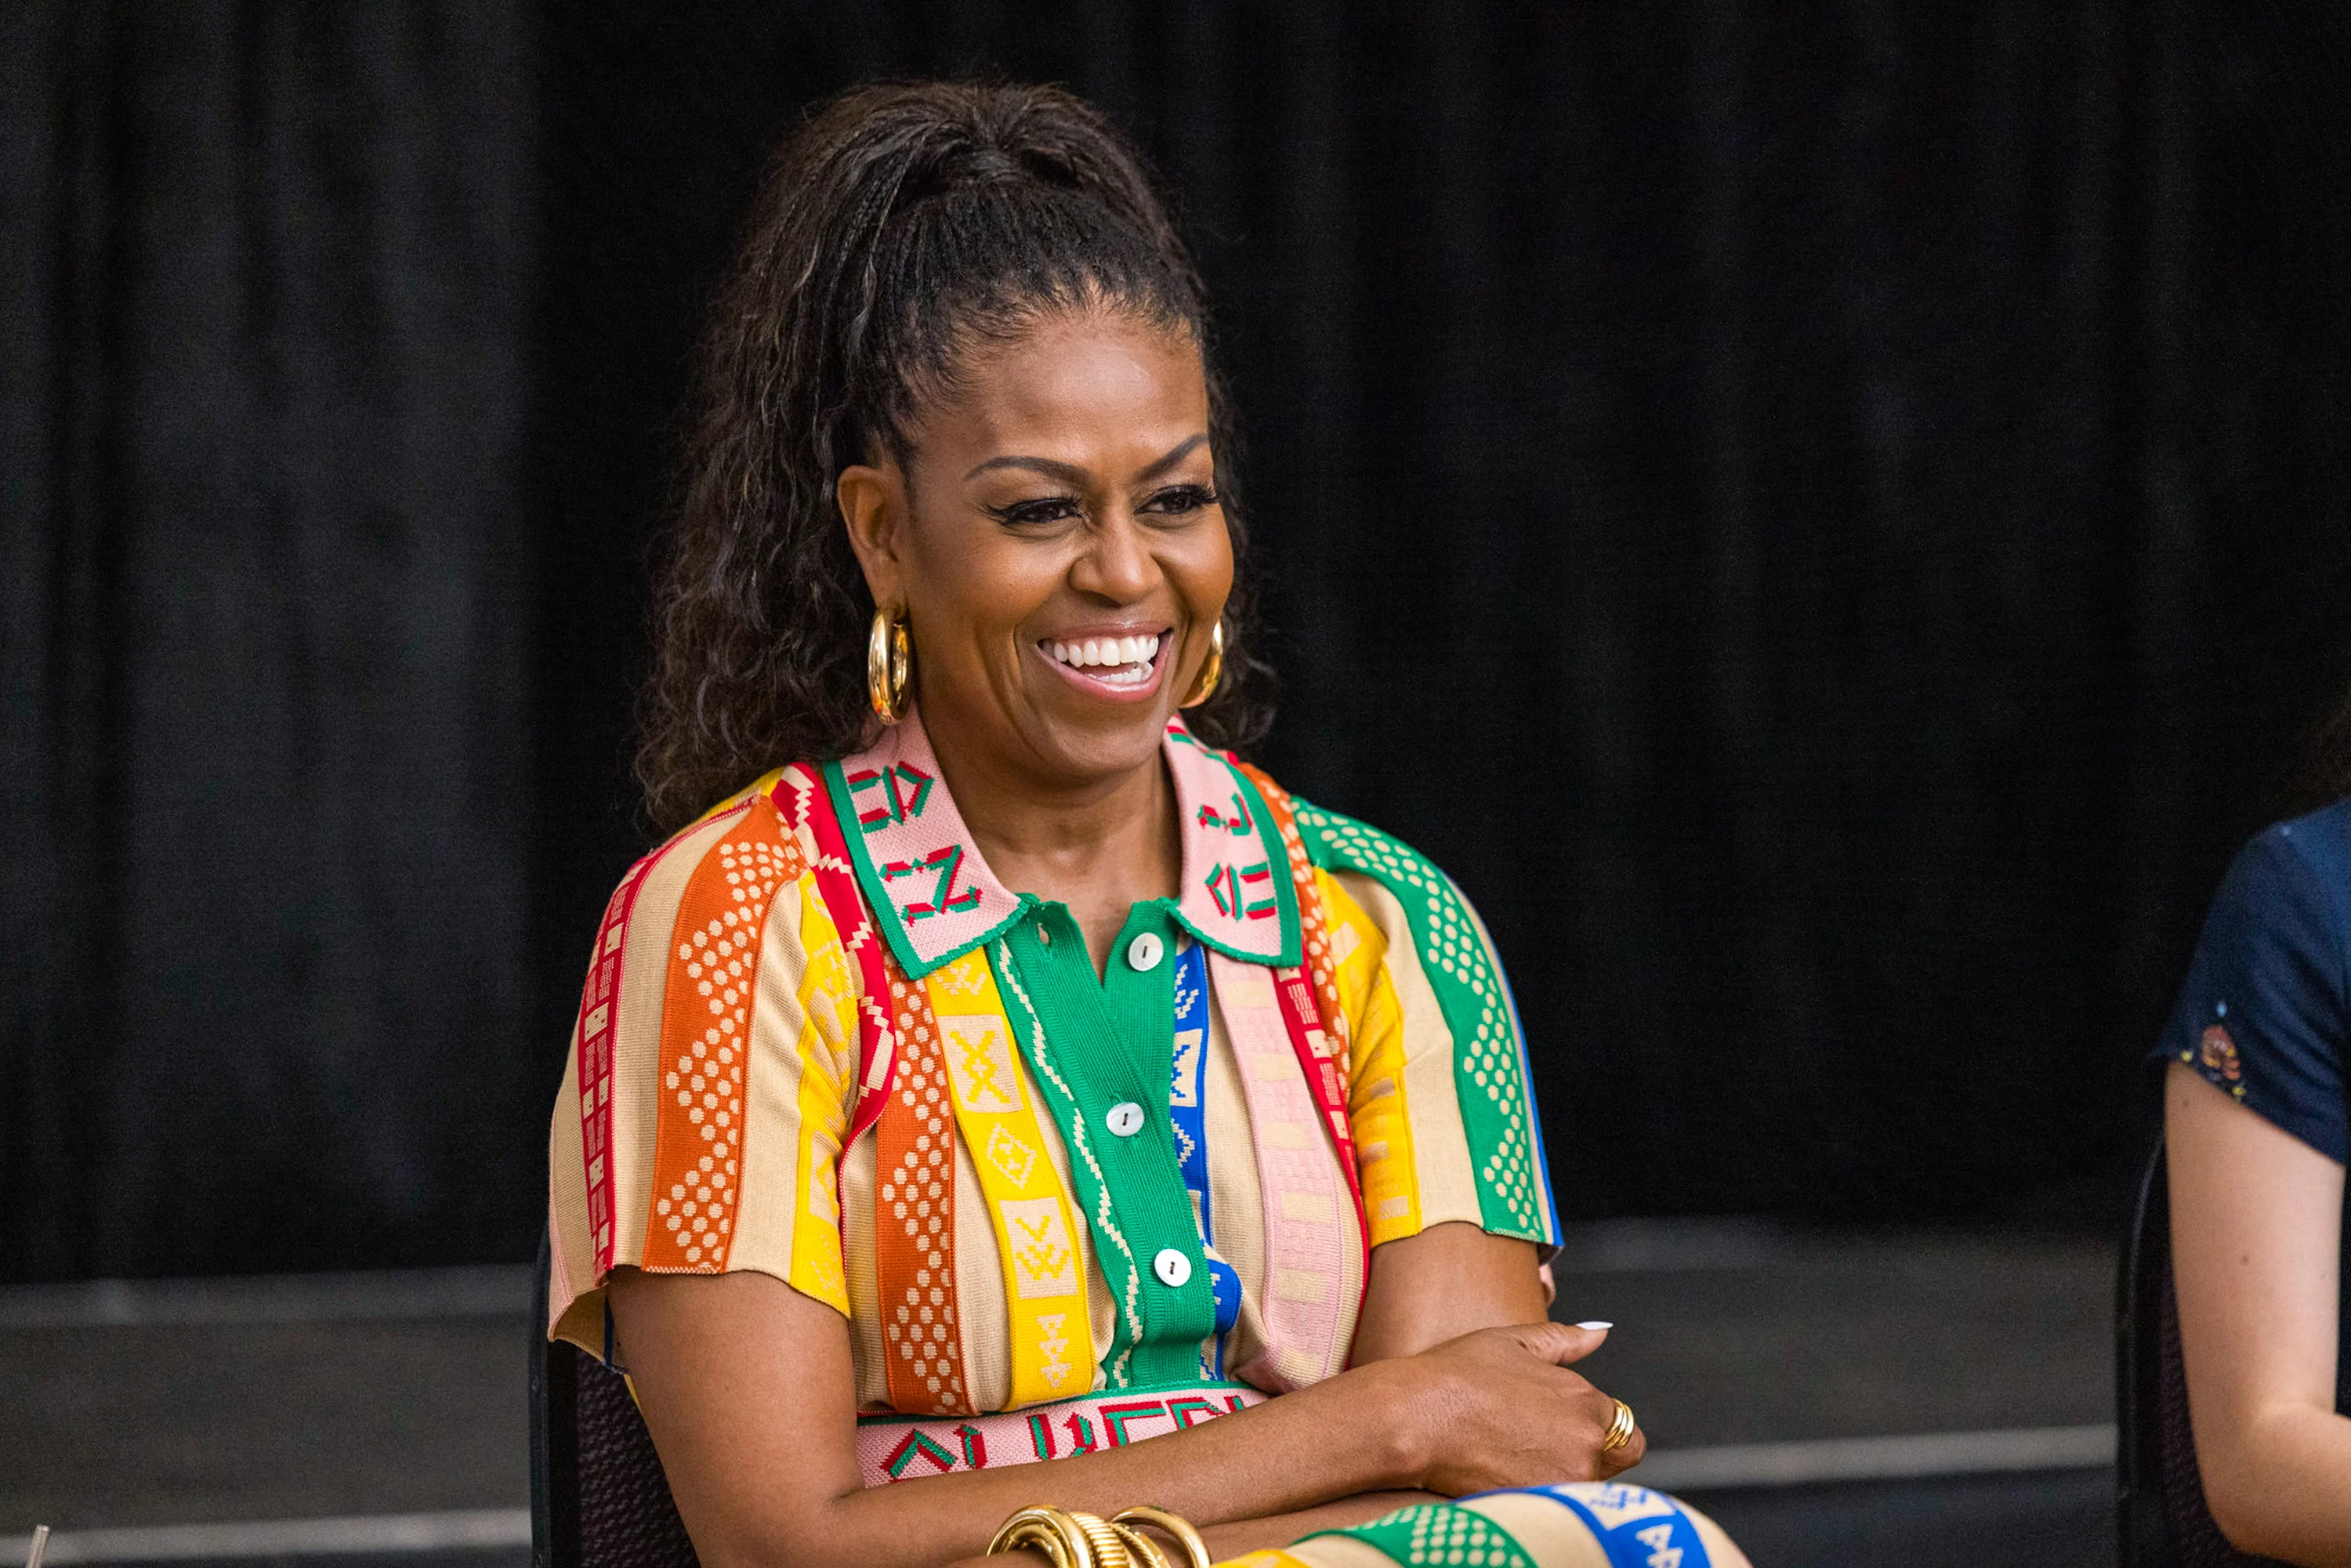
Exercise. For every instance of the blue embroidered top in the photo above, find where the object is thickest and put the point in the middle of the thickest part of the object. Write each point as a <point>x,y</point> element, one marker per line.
<point>2267,1006</point>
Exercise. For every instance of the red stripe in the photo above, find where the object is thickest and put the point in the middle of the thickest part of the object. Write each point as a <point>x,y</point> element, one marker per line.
<point>1302,1021</point>
<point>836,883</point>
<point>603,990</point>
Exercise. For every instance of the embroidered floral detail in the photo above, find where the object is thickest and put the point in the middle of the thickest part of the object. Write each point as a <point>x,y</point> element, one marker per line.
<point>2219,1055</point>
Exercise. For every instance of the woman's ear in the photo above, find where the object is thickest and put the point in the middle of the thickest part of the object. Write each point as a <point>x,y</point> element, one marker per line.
<point>872,504</point>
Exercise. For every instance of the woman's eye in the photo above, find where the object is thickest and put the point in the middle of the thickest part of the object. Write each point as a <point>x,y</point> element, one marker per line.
<point>1178,499</point>
<point>1044,509</point>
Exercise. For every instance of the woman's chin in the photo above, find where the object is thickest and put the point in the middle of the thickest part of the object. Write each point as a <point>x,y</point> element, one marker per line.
<point>1097,740</point>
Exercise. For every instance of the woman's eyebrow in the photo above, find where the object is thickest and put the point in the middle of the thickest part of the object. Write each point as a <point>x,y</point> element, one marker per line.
<point>1072,474</point>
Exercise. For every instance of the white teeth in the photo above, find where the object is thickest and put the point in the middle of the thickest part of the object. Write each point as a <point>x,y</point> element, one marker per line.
<point>1131,656</point>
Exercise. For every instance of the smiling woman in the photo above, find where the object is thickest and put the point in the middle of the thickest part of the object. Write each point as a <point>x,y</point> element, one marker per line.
<point>994,1072</point>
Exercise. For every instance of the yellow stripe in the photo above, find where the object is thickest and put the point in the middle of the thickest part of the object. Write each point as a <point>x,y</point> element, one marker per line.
<point>1378,1108</point>
<point>1035,1222</point>
<point>828,1051</point>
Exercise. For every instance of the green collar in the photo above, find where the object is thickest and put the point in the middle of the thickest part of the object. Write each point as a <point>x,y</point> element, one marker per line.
<point>934,899</point>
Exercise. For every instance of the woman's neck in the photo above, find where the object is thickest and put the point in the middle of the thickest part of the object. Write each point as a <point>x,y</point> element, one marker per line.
<point>1098,845</point>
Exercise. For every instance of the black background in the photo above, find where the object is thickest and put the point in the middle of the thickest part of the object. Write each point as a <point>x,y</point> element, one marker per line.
<point>1827,519</point>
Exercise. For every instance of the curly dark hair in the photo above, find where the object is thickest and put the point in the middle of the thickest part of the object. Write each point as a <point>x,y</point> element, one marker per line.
<point>899,226</point>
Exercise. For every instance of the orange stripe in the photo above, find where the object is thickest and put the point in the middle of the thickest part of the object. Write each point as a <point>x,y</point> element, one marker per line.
<point>705,1039</point>
<point>913,1216</point>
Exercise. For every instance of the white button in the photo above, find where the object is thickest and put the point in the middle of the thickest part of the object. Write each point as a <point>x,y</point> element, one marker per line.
<point>1142,953</point>
<point>1125,1119</point>
<point>1172,1267</point>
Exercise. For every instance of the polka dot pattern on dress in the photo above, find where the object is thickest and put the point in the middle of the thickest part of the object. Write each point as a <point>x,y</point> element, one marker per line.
<point>914,1216</point>
<point>1441,1533</point>
<point>1453,953</point>
<point>707,1011</point>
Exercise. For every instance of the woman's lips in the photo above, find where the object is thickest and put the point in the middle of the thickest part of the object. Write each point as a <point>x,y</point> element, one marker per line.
<point>1121,667</point>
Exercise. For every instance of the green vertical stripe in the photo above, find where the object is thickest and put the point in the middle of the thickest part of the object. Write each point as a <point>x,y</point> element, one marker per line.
<point>1092,1045</point>
<point>1496,1113</point>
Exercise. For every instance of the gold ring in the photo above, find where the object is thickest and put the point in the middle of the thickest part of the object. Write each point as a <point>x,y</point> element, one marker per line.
<point>1620,1430</point>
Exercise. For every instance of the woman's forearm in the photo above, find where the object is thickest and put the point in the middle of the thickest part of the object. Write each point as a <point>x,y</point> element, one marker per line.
<point>2255,1214</point>
<point>1241,1477</point>
<point>2278,1488</point>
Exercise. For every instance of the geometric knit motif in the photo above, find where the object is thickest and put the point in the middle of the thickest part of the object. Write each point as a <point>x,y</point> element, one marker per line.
<point>1120,1269</point>
<point>1313,924</point>
<point>1439,1532</point>
<point>704,1042</point>
<point>914,1145</point>
<point>1041,1267</point>
<point>1492,1088</point>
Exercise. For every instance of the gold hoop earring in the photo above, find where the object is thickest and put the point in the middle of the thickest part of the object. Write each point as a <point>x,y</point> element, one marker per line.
<point>1206,686</point>
<point>889,667</point>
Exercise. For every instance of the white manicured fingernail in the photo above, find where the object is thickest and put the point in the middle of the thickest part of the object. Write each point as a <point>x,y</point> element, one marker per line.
<point>1595,1324</point>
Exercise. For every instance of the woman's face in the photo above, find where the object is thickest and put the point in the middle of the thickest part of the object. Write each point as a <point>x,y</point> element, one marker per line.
<point>1056,546</point>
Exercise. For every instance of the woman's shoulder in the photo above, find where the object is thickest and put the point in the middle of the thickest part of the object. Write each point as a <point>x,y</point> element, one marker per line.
<point>723,871</point>
<point>2314,846</point>
<point>2266,1008</point>
<point>2289,886</point>
<point>1334,842</point>
<point>1392,886</point>
<point>1359,853</point>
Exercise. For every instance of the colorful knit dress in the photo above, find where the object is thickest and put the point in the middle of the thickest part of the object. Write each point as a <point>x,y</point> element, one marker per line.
<point>1060,1209</point>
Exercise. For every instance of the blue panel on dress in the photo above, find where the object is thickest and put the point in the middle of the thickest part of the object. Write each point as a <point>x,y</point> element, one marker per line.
<point>1187,1114</point>
<point>1637,1527</point>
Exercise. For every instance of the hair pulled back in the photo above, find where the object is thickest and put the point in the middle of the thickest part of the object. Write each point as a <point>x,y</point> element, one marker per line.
<point>897,229</point>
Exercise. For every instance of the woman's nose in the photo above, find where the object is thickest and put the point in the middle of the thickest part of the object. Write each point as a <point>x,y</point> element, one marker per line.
<point>1118,564</point>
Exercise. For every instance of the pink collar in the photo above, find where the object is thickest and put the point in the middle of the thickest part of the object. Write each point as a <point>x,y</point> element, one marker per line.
<point>934,899</point>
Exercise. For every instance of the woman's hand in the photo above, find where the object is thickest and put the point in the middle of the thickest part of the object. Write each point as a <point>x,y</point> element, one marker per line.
<point>1498,1409</point>
<point>1487,1405</point>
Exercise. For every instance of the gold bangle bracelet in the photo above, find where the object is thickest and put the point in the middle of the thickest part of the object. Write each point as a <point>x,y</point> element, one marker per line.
<point>1109,1545</point>
<point>1141,1550</point>
<point>1175,1525</point>
<point>1049,1531</point>
<point>1069,1539</point>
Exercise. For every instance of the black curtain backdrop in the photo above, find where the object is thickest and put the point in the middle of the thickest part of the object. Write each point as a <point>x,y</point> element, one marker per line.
<point>264,884</point>
<point>1827,519</point>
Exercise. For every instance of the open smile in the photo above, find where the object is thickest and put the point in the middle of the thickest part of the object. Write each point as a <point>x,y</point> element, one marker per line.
<point>1122,666</point>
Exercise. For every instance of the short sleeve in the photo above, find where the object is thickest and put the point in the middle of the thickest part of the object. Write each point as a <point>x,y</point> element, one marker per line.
<point>1443,1117</point>
<point>700,1123</point>
<point>2263,1014</point>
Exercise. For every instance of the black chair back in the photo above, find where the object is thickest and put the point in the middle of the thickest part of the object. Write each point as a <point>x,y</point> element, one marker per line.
<point>599,1497</point>
<point>2165,1521</point>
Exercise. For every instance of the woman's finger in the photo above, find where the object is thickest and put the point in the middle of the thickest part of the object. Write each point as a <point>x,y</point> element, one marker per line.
<point>1562,1345</point>
<point>1624,1455</point>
